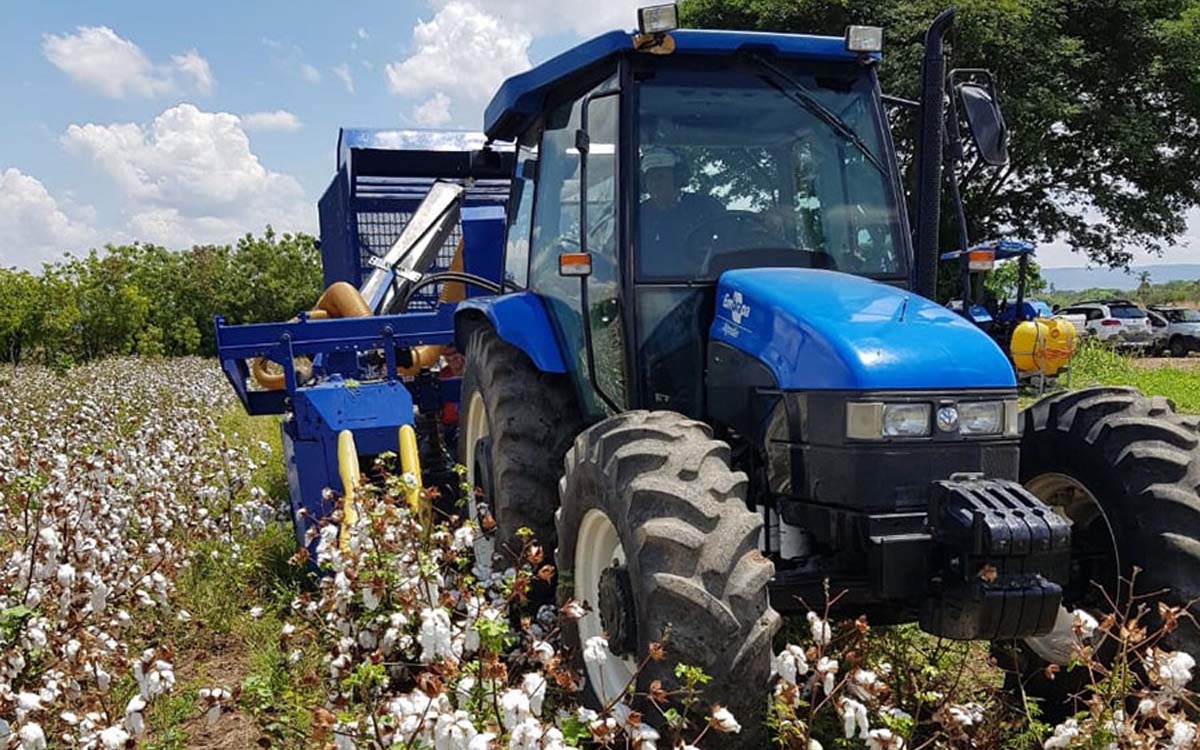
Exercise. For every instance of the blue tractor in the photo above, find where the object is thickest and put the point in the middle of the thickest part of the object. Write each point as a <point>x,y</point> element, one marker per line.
<point>705,369</point>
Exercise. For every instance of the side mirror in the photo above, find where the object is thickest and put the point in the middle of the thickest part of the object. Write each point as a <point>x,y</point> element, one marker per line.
<point>974,92</point>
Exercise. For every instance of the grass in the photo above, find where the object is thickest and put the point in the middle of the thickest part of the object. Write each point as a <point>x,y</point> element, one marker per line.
<point>1100,365</point>
<point>223,644</point>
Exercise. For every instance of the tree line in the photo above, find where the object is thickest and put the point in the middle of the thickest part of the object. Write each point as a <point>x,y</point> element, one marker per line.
<point>149,300</point>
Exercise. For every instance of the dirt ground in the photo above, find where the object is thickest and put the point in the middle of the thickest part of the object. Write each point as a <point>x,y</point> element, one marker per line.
<point>1180,363</point>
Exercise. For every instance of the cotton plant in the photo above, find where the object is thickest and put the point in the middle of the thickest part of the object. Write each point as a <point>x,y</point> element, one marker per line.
<point>110,478</point>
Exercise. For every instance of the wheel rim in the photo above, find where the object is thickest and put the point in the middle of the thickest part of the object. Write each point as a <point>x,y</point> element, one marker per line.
<point>1093,547</point>
<point>597,548</point>
<point>477,429</point>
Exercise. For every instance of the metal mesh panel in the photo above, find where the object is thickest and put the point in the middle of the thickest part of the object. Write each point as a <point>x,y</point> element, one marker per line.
<point>379,230</point>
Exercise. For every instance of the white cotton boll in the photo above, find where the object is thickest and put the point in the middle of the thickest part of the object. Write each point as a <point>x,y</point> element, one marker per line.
<point>723,721</point>
<point>595,651</point>
<point>854,717</point>
<point>454,731</point>
<point>791,664</point>
<point>822,633</point>
<point>135,722</point>
<point>1084,624</point>
<point>370,599</point>
<point>99,597</point>
<point>32,737</point>
<point>884,739</point>
<point>27,703</point>
<point>436,637</point>
<point>482,741</point>
<point>66,575</point>
<point>1064,736</point>
<point>183,616</point>
<point>534,685</point>
<point>526,736</point>
<point>828,668</point>
<point>1183,734</point>
<point>1146,706</point>
<point>464,538</point>
<point>114,738</point>
<point>542,652</point>
<point>814,745</point>
<point>72,649</point>
<point>514,706</point>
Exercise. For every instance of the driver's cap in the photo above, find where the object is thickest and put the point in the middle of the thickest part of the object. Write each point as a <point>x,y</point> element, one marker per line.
<point>657,157</point>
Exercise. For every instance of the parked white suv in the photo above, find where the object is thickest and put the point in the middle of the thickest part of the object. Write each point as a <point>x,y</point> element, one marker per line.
<point>1181,334</point>
<point>1118,322</point>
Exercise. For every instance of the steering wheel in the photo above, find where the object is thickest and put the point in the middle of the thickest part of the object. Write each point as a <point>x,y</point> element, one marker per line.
<point>728,231</point>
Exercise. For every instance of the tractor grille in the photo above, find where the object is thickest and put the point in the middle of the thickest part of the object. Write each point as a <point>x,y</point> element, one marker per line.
<point>379,230</point>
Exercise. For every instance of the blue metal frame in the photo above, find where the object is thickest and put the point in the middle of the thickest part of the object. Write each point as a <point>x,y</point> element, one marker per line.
<point>522,98</point>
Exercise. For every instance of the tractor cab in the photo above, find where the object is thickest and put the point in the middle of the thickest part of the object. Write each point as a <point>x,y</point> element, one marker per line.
<point>695,153</point>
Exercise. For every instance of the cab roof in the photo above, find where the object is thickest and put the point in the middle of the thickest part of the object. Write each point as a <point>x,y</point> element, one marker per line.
<point>522,97</point>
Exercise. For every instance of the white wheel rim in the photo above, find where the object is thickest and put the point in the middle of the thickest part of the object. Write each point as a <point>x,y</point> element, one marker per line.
<point>597,548</point>
<point>1069,498</point>
<point>477,429</point>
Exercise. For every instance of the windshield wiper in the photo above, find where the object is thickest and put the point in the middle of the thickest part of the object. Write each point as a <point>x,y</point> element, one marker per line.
<point>802,95</point>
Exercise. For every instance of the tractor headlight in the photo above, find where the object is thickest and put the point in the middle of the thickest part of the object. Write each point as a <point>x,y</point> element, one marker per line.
<point>905,420</point>
<point>987,418</point>
<point>873,420</point>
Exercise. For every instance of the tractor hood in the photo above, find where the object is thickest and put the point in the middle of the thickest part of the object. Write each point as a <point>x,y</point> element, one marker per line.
<point>823,330</point>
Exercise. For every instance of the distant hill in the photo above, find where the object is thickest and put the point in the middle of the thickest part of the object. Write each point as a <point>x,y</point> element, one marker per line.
<point>1106,278</point>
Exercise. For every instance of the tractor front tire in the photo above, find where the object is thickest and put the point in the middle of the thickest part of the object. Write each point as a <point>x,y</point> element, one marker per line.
<point>528,419</point>
<point>656,540</point>
<point>1125,468</point>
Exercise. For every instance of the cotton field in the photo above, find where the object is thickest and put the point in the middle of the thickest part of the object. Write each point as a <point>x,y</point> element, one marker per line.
<point>120,478</point>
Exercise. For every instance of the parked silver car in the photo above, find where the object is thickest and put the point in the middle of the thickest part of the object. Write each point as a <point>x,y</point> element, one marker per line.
<point>1179,330</point>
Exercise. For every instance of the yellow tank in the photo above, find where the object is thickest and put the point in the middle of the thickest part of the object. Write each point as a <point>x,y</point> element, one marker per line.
<point>1043,345</point>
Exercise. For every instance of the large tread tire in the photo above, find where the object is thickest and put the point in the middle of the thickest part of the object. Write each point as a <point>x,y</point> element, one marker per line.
<point>1140,460</point>
<point>532,418</point>
<point>692,554</point>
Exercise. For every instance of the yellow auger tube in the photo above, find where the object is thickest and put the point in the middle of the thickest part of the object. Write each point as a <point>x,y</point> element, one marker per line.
<point>410,463</point>
<point>347,455</point>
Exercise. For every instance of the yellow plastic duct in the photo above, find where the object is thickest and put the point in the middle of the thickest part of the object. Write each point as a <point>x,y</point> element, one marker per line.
<point>410,463</point>
<point>347,455</point>
<point>340,300</point>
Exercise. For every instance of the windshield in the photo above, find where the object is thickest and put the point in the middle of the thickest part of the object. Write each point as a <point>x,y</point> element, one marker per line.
<point>737,169</point>
<point>1183,316</point>
<point>1127,312</point>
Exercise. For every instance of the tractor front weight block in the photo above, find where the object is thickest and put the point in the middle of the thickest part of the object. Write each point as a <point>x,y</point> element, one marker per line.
<point>1000,559</point>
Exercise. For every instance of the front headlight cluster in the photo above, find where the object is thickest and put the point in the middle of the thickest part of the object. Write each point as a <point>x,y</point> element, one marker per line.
<point>879,420</point>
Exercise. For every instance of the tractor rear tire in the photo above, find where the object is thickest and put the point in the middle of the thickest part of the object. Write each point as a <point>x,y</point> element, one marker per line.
<point>530,418</point>
<point>655,537</point>
<point>1126,469</point>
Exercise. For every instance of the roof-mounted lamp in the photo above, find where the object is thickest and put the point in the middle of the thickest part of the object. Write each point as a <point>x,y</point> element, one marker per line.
<point>864,39</point>
<point>658,19</point>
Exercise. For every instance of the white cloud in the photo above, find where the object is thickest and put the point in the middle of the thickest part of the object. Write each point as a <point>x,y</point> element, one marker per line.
<point>433,112</point>
<point>540,17</point>
<point>280,119</point>
<point>190,177</point>
<point>196,67</point>
<point>33,226</point>
<point>97,58</point>
<point>462,52</point>
<point>309,73</point>
<point>343,72</point>
<point>362,33</point>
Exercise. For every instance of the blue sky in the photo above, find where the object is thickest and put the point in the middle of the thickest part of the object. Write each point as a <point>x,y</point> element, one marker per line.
<point>179,123</point>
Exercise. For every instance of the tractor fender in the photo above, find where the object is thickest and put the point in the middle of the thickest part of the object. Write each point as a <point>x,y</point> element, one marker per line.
<point>519,319</point>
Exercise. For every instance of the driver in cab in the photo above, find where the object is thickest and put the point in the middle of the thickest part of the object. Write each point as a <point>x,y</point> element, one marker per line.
<point>668,214</point>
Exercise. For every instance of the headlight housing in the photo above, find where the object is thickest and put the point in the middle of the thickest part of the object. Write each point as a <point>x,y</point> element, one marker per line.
<point>905,420</point>
<point>880,420</point>
<point>981,417</point>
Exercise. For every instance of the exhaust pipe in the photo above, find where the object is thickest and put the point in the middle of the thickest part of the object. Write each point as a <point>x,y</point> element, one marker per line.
<point>930,143</point>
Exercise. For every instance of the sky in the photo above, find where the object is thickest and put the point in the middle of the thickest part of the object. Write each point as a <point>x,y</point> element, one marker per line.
<point>182,123</point>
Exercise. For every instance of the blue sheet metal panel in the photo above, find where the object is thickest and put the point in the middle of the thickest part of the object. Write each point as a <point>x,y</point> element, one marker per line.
<point>521,320</point>
<point>823,330</point>
<point>335,405</point>
<point>522,96</point>
<point>339,256</point>
<point>483,244</point>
